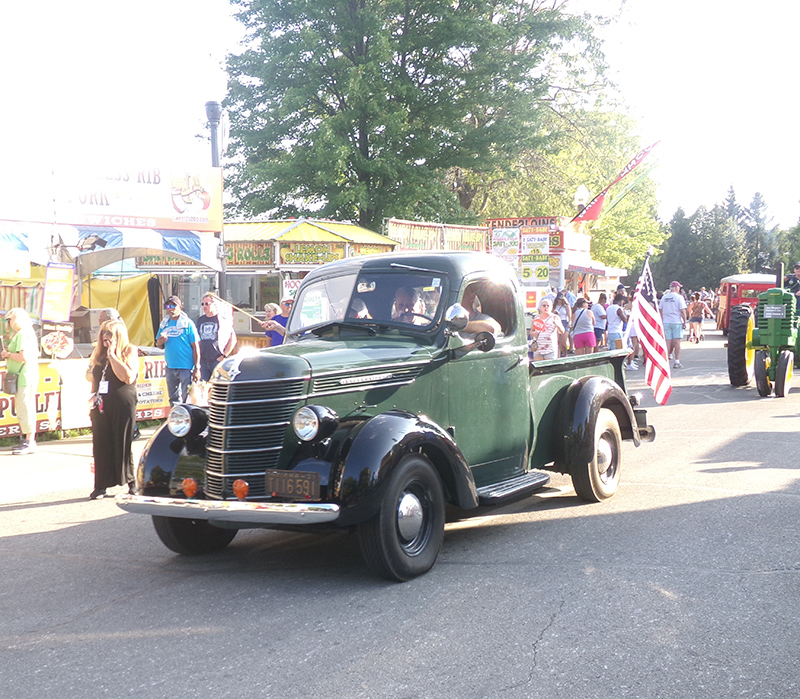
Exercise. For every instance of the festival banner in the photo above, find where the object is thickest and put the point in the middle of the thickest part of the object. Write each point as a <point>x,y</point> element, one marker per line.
<point>593,208</point>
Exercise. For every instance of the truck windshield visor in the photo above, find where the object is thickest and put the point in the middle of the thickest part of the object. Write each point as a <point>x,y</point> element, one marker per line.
<point>407,299</point>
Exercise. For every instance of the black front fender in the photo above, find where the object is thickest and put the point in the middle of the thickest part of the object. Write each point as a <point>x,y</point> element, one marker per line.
<point>581,405</point>
<point>167,460</point>
<point>380,445</point>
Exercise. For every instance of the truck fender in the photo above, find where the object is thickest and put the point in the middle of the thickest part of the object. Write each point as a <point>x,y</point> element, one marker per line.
<point>377,449</point>
<point>166,460</point>
<point>581,406</point>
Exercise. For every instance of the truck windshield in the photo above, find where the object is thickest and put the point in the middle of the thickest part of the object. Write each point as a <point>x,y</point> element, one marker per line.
<point>402,299</point>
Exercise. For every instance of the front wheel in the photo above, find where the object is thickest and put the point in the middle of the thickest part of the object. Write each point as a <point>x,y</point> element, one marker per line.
<point>599,479</point>
<point>403,539</point>
<point>783,373</point>
<point>763,382</point>
<point>740,345</point>
<point>191,537</point>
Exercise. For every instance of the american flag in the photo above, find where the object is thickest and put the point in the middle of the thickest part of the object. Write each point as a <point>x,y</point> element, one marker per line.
<point>650,329</point>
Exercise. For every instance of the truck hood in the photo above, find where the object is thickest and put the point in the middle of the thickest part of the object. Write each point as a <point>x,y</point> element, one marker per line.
<point>326,356</point>
<point>361,361</point>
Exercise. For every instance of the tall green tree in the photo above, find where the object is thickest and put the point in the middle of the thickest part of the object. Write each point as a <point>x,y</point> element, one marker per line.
<point>701,249</point>
<point>358,109</point>
<point>583,147</point>
<point>760,245</point>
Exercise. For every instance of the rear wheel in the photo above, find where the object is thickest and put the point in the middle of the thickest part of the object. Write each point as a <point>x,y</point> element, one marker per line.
<point>763,383</point>
<point>191,537</point>
<point>598,480</point>
<point>783,373</point>
<point>740,352</point>
<point>403,539</point>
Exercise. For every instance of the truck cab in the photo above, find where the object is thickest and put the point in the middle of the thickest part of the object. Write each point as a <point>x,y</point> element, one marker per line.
<point>404,384</point>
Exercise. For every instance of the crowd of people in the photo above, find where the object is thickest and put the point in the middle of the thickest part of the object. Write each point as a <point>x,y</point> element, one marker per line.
<point>566,324</point>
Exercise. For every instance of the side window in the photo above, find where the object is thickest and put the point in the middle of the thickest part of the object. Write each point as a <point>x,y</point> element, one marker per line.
<point>493,299</point>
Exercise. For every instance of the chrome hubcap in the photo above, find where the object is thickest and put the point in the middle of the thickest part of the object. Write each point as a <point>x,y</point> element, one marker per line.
<point>409,516</point>
<point>605,457</point>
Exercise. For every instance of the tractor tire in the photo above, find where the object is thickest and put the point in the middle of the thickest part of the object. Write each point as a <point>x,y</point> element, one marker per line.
<point>763,382</point>
<point>740,352</point>
<point>783,373</point>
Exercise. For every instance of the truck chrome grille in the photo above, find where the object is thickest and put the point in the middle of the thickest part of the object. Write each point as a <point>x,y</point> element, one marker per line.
<point>246,427</point>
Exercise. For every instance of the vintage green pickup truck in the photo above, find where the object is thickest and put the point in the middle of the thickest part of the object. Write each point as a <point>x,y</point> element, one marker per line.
<point>382,406</point>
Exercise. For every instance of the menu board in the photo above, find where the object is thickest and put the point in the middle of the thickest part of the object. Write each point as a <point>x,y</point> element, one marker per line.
<point>58,284</point>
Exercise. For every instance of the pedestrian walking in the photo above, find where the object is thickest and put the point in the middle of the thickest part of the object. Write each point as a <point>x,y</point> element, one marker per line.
<point>22,361</point>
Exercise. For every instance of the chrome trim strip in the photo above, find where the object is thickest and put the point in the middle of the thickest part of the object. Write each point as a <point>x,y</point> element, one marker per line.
<point>230,511</point>
<point>248,426</point>
<point>373,369</point>
<point>335,391</point>
<point>298,397</point>
<point>272,381</point>
<point>215,450</point>
<point>257,474</point>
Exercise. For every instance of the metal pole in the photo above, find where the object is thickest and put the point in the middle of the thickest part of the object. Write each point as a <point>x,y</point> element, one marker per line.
<point>214,114</point>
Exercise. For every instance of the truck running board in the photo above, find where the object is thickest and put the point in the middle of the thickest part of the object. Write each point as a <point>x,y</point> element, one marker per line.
<point>513,487</point>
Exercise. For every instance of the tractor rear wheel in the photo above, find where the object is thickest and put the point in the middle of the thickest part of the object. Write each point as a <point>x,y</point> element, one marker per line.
<point>740,353</point>
<point>763,383</point>
<point>783,373</point>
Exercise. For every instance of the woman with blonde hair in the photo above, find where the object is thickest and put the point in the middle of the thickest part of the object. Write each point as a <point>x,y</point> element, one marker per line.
<point>22,359</point>
<point>114,368</point>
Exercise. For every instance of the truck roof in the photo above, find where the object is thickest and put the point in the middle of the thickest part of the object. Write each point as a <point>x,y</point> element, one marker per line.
<point>454,264</point>
<point>750,279</point>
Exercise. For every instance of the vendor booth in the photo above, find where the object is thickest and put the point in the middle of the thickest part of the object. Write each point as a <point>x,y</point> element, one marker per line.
<point>265,261</point>
<point>58,235</point>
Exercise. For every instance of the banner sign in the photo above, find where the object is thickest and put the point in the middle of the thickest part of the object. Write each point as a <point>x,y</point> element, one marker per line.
<point>63,393</point>
<point>505,244</point>
<point>151,197</point>
<point>311,253</point>
<point>58,286</point>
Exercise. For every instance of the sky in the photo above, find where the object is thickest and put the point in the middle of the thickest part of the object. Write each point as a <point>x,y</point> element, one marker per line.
<point>126,83</point>
<point>714,82</point>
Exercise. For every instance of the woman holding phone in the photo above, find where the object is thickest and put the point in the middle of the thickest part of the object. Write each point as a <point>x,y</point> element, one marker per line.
<point>114,365</point>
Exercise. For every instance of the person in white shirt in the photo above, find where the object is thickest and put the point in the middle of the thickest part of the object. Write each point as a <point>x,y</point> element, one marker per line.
<point>673,313</point>
<point>617,318</point>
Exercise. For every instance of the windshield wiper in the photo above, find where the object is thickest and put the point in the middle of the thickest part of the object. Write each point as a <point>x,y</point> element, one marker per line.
<point>320,330</point>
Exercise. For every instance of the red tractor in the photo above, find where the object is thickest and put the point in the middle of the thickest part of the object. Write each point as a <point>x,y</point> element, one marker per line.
<point>738,289</point>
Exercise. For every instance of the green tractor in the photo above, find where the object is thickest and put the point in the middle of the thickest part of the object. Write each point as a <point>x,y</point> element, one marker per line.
<point>764,344</point>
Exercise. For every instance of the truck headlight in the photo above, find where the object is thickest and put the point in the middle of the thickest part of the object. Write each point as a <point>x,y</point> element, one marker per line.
<point>314,422</point>
<point>186,420</point>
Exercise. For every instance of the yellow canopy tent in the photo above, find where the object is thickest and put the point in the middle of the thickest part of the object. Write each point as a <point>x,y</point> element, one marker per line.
<point>129,297</point>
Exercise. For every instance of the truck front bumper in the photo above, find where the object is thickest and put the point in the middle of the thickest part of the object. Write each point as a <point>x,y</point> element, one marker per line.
<point>231,511</point>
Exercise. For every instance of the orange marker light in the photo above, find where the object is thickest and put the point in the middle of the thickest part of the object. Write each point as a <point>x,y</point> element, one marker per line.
<point>189,487</point>
<point>241,488</point>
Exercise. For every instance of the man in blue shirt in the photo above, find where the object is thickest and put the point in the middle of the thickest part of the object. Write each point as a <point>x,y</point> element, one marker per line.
<point>177,334</point>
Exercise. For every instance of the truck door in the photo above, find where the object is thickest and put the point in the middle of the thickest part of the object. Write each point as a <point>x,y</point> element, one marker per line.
<point>488,391</point>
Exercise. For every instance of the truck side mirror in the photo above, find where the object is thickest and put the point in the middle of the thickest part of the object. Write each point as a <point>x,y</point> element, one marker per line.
<point>456,317</point>
<point>484,341</point>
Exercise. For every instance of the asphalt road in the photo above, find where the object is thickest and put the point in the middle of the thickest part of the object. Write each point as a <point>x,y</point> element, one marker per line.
<point>684,585</point>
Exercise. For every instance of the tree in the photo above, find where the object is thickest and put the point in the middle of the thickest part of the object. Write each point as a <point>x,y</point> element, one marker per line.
<point>760,245</point>
<point>701,249</point>
<point>358,109</point>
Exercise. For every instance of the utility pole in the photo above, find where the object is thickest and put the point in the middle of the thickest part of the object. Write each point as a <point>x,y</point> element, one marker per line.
<point>214,114</point>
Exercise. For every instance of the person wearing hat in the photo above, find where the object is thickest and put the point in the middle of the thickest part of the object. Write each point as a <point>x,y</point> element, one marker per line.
<point>673,312</point>
<point>276,326</point>
<point>793,284</point>
<point>177,334</point>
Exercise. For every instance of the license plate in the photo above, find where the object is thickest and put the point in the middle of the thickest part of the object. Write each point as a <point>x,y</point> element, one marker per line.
<point>299,485</point>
